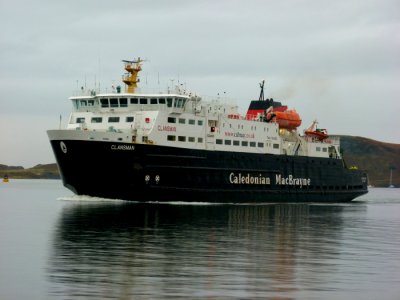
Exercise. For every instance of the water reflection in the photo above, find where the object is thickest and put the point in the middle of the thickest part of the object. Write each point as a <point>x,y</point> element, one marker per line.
<point>126,250</point>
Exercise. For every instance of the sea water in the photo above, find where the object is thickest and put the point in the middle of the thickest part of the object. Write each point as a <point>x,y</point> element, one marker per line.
<point>55,245</point>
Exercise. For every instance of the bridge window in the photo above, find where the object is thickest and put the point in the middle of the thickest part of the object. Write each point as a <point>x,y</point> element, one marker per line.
<point>191,122</point>
<point>143,100</point>
<point>129,119</point>
<point>169,102</point>
<point>90,103</point>
<point>182,121</point>
<point>153,101</point>
<point>104,102</point>
<point>171,120</point>
<point>134,100</point>
<point>123,102</point>
<point>161,101</point>
<point>179,102</point>
<point>200,122</point>
<point>80,120</point>
<point>113,102</point>
<point>260,145</point>
<point>83,102</point>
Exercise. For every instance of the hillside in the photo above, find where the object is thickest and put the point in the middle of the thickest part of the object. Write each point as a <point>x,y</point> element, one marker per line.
<point>375,157</point>
<point>49,171</point>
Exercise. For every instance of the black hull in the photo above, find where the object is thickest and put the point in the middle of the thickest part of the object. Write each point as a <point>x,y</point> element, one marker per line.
<point>154,173</point>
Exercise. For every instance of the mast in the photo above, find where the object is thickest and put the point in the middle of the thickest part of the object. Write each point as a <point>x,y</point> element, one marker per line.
<point>261,98</point>
<point>391,177</point>
<point>133,67</point>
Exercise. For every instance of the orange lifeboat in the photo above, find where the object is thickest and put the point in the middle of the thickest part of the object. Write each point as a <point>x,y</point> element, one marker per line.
<point>287,119</point>
<point>314,132</point>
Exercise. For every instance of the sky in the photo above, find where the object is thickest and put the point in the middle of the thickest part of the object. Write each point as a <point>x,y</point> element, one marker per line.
<point>334,61</point>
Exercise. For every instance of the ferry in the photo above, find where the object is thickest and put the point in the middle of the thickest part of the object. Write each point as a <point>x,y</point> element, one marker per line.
<point>176,146</point>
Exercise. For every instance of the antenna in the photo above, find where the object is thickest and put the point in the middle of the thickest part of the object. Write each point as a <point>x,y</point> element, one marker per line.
<point>99,73</point>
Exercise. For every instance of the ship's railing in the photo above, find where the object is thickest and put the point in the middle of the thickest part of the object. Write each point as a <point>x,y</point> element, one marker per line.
<point>334,140</point>
<point>143,89</point>
<point>85,92</point>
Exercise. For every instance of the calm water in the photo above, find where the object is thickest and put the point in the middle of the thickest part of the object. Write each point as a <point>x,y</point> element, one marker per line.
<point>58,246</point>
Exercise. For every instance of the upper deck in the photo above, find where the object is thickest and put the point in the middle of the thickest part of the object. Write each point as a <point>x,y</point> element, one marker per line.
<point>182,119</point>
<point>128,102</point>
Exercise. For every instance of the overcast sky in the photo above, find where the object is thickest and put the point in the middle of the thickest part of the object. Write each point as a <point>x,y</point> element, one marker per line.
<point>334,61</point>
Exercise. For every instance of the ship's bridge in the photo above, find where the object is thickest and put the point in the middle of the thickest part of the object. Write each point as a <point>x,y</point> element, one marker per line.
<point>129,102</point>
<point>120,111</point>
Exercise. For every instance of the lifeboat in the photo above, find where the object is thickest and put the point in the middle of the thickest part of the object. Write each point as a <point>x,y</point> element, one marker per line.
<point>287,119</point>
<point>317,133</point>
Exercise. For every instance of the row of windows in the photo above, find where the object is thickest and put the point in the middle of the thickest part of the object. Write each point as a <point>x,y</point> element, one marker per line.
<point>323,149</point>
<point>200,122</point>
<point>85,102</point>
<point>110,120</point>
<point>240,126</point>
<point>123,102</point>
<point>183,121</point>
<point>244,143</point>
<point>190,139</point>
<point>173,138</point>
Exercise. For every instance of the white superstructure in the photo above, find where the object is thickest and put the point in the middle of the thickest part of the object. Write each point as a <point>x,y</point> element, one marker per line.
<point>179,120</point>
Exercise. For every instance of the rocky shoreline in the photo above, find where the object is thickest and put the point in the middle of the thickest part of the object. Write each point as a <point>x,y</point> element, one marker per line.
<point>46,171</point>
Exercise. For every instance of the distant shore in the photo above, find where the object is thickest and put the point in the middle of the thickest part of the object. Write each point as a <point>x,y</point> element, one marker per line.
<point>47,171</point>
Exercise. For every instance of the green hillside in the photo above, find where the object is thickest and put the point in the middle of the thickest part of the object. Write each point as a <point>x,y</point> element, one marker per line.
<point>377,158</point>
<point>49,171</point>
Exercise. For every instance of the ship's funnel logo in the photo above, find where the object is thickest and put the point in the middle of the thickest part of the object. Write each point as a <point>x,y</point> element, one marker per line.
<point>63,147</point>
